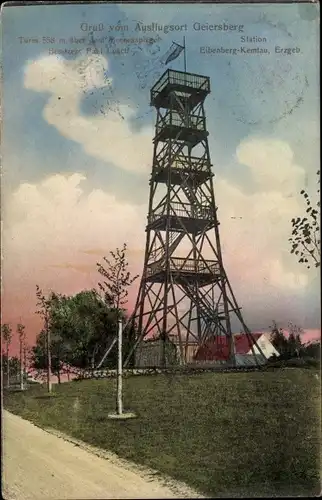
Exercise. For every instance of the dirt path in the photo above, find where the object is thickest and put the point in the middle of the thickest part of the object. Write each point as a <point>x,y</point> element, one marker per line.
<point>40,465</point>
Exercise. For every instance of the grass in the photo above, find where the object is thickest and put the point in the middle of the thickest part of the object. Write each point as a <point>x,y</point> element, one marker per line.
<point>225,434</point>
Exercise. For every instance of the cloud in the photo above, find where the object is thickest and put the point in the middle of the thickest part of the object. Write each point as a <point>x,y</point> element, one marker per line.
<point>50,224</point>
<point>271,164</point>
<point>105,135</point>
<point>255,227</point>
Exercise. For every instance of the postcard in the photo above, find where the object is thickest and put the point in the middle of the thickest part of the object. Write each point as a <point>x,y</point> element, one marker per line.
<point>160,249</point>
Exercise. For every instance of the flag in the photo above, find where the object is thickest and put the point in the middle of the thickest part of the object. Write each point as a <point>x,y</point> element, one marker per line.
<point>174,52</point>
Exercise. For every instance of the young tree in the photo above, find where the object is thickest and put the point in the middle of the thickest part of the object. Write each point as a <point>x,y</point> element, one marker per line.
<point>44,306</point>
<point>288,346</point>
<point>117,279</point>
<point>50,349</point>
<point>22,340</point>
<point>14,367</point>
<point>294,340</point>
<point>305,238</point>
<point>279,340</point>
<point>7,337</point>
<point>28,360</point>
<point>25,350</point>
<point>114,287</point>
<point>39,357</point>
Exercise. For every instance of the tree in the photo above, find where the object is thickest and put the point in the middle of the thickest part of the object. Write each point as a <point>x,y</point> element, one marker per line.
<point>117,279</point>
<point>278,340</point>
<point>81,328</point>
<point>44,305</point>
<point>25,351</point>
<point>39,357</point>
<point>14,366</point>
<point>61,323</point>
<point>87,328</point>
<point>294,342</point>
<point>22,341</point>
<point>7,337</point>
<point>311,349</point>
<point>48,353</point>
<point>114,287</point>
<point>305,238</point>
<point>288,347</point>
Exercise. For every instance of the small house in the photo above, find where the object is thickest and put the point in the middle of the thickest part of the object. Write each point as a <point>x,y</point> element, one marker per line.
<point>249,350</point>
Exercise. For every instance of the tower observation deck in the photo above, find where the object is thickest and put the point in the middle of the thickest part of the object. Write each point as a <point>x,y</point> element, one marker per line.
<point>184,288</point>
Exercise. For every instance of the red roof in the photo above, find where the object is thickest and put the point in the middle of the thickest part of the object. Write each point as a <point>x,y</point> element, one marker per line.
<point>218,347</point>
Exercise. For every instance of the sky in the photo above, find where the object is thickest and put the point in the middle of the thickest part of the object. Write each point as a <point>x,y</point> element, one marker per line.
<point>77,130</point>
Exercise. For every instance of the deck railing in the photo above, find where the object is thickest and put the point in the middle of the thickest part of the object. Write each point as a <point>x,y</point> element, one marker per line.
<point>202,212</point>
<point>191,80</point>
<point>182,162</point>
<point>193,163</point>
<point>172,118</point>
<point>185,266</point>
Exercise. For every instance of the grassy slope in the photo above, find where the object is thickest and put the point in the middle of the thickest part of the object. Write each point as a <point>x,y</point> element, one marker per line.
<point>225,434</point>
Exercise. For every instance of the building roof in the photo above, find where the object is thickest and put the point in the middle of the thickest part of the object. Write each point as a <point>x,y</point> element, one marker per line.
<point>218,347</point>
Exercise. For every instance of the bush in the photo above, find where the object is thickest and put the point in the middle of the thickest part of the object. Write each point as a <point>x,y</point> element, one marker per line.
<point>305,362</point>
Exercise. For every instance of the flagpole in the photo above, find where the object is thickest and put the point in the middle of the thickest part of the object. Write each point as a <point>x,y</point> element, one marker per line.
<point>184,54</point>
